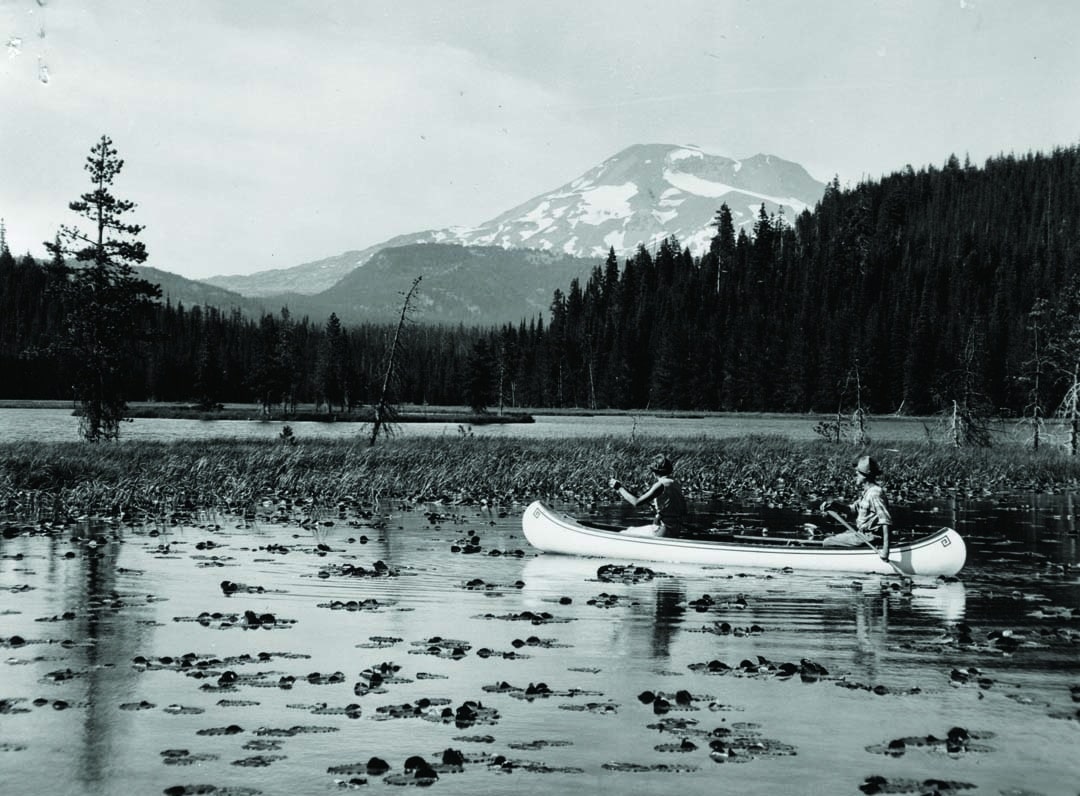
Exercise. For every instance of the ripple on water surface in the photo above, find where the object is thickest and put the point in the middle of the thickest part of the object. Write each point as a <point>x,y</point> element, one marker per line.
<point>431,648</point>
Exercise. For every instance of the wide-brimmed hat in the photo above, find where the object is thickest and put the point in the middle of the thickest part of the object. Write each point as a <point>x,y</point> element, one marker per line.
<point>661,464</point>
<point>868,467</point>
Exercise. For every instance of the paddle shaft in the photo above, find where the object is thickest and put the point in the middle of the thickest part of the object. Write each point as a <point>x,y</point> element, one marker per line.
<point>862,537</point>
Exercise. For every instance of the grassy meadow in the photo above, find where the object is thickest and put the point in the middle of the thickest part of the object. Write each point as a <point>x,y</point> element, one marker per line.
<point>159,480</point>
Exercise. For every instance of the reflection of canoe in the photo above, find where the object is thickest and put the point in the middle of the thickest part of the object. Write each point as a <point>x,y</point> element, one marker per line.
<point>549,577</point>
<point>946,601</point>
<point>940,553</point>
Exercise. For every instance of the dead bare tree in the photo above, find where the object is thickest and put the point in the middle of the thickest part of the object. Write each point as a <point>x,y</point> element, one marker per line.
<point>1063,351</point>
<point>385,410</point>
<point>1035,369</point>
<point>969,425</point>
<point>1070,412</point>
<point>860,418</point>
<point>854,427</point>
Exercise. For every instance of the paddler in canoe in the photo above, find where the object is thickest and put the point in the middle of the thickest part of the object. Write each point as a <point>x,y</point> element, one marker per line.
<point>871,512</point>
<point>667,497</point>
<point>941,553</point>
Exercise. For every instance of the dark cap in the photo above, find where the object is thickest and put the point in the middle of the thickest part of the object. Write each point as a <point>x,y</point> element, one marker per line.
<point>661,464</point>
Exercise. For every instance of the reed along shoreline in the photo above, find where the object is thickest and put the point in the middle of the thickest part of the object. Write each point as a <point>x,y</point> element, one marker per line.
<point>153,478</point>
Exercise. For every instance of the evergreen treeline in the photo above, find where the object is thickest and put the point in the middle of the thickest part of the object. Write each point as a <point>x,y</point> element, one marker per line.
<point>206,356</point>
<point>917,290</point>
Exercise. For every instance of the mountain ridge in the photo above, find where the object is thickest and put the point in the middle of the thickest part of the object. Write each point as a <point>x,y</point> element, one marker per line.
<point>472,285</point>
<point>639,196</point>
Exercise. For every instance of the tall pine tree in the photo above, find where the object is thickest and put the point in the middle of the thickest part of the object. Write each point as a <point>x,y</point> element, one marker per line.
<point>107,305</point>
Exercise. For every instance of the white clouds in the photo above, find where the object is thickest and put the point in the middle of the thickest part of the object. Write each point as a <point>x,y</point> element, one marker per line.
<point>262,135</point>
<point>263,150</point>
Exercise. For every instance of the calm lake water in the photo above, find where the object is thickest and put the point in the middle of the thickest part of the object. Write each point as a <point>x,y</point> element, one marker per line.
<point>256,658</point>
<point>59,425</point>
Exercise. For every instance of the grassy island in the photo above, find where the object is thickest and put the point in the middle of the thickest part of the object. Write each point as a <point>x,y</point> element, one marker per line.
<point>158,479</point>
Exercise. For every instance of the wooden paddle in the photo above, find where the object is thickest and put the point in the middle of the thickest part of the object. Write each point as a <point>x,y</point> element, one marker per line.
<point>863,538</point>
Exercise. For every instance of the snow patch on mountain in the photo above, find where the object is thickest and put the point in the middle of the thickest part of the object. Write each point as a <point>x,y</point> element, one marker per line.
<point>604,202</point>
<point>668,197</point>
<point>539,218</point>
<point>702,187</point>
<point>681,154</point>
<point>616,239</point>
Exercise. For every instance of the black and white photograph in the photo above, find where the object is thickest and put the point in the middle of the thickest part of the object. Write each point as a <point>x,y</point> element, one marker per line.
<point>565,397</point>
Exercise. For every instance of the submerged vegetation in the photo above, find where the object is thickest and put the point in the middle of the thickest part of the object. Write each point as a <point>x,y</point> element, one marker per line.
<point>160,481</point>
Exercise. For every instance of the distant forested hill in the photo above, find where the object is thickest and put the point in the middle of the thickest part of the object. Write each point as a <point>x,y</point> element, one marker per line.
<point>926,287</point>
<point>917,289</point>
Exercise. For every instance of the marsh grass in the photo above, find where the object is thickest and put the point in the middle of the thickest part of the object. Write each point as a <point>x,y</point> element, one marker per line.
<point>156,479</point>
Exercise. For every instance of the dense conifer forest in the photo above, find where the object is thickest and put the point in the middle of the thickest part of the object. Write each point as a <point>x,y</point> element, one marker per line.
<point>908,293</point>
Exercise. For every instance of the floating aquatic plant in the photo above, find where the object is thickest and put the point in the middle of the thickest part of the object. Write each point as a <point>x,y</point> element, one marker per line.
<point>317,480</point>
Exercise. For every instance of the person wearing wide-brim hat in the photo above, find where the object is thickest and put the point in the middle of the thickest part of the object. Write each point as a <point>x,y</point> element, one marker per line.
<point>871,510</point>
<point>667,497</point>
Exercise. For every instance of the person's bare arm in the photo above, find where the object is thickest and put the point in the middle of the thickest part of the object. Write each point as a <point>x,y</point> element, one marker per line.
<point>633,500</point>
<point>838,506</point>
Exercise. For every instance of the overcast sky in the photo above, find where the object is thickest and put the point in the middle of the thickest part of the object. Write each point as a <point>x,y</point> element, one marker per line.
<point>263,134</point>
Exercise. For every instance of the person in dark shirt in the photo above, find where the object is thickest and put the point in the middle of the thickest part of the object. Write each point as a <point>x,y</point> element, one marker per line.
<point>667,497</point>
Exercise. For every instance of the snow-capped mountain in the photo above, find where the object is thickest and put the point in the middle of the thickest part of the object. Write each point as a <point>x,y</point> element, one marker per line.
<point>640,196</point>
<point>644,194</point>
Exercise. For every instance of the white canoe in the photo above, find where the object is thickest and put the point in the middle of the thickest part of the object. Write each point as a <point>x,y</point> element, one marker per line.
<point>941,553</point>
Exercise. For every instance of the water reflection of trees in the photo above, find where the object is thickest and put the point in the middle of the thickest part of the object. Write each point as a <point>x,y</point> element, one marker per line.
<point>108,633</point>
<point>666,610</point>
<point>871,629</point>
<point>1044,524</point>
